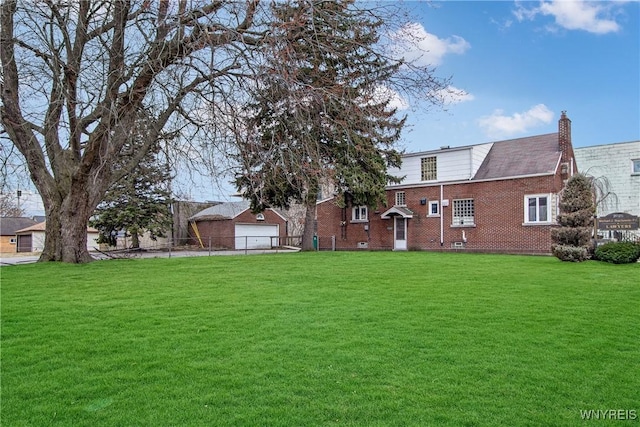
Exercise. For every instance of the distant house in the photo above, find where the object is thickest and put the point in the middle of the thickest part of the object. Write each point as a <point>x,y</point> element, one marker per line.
<point>233,226</point>
<point>493,197</point>
<point>8,228</point>
<point>31,239</point>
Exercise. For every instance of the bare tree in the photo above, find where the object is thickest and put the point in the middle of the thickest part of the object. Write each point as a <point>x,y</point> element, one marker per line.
<point>9,206</point>
<point>75,75</point>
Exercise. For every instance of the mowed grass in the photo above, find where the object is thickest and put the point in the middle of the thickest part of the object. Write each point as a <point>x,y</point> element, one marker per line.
<point>345,338</point>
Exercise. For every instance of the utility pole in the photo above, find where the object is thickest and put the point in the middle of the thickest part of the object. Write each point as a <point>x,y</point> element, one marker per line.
<point>19,193</point>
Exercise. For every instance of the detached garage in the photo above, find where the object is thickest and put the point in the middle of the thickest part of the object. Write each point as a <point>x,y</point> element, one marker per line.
<point>233,226</point>
<point>31,239</point>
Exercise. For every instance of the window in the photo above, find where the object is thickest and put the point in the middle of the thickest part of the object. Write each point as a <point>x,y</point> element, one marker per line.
<point>400,199</point>
<point>434,208</point>
<point>537,208</point>
<point>359,213</point>
<point>635,166</point>
<point>429,168</point>
<point>12,241</point>
<point>463,212</point>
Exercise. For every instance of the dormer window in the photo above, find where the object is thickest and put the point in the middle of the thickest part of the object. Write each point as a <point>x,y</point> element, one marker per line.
<point>429,168</point>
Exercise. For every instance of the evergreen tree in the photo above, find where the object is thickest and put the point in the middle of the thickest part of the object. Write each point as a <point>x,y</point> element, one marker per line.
<point>319,117</point>
<point>137,203</point>
<point>572,240</point>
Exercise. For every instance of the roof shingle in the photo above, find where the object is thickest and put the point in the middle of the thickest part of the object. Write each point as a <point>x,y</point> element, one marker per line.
<point>534,155</point>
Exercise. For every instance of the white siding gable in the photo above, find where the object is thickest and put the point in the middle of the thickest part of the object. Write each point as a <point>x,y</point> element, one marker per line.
<point>455,164</point>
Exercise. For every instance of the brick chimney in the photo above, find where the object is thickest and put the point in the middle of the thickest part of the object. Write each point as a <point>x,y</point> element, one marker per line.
<point>564,142</point>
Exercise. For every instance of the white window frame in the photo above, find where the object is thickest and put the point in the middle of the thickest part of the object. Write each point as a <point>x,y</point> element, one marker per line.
<point>468,206</point>
<point>429,168</point>
<point>401,198</point>
<point>13,240</point>
<point>635,166</point>
<point>359,214</point>
<point>537,197</point>
<point>433,203</point>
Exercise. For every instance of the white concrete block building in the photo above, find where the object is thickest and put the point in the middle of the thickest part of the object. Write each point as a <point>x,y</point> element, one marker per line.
<point>620,163</point>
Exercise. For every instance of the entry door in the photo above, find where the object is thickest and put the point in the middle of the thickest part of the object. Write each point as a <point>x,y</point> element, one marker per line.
<point>400,234</point>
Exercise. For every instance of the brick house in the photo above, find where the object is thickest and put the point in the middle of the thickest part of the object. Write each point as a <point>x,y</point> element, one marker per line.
<point>232,225</point>
<point>493,197</point>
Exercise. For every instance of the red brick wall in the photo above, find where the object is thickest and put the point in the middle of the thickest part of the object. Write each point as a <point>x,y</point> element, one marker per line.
<point>499,218</point>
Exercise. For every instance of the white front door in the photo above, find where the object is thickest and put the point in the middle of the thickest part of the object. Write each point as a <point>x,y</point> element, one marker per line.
<point>399,233</point>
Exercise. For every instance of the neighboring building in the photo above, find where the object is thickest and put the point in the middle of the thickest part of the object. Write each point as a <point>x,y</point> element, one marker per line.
<point>494,197</point>
<point>619,166</point>
<point>8,228</point>
<point>31,239</point>
<point>233,226</point>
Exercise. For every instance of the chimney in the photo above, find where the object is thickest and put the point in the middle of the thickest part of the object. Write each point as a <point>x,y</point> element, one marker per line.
<point>564,142</point>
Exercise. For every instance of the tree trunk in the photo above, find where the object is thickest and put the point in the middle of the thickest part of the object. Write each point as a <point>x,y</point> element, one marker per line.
<point>309,223</point>
<point>66,238</point>
<point>66,232</point>
<point>135,239</point>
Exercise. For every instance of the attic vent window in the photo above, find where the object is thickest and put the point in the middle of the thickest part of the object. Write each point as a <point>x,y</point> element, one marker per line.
<point>260,217</point>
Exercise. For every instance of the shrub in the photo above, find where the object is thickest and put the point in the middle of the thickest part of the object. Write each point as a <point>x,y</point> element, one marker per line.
<point>572,240</point>
<point>618,252</point>
<point>572,236</point>
<point>570,253</point>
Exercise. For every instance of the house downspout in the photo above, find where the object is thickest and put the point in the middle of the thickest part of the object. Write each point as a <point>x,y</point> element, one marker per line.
<point>441,216</point>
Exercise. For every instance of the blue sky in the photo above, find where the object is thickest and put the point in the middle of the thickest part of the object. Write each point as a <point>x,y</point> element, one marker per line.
<point>518,64</point>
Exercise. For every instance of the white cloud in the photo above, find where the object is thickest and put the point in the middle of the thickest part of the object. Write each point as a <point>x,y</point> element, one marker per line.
<point>498,125</point>
<point>414,43</point>
<point>594,17</point>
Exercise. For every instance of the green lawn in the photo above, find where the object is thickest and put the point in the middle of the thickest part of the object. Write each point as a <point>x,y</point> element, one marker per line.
<point>360,339</point>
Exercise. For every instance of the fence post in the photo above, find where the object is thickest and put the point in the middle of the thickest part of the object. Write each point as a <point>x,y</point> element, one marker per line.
<point>333,243</point>
<point>209,245</point>
<point>246,244</point>
<point>169,241</point>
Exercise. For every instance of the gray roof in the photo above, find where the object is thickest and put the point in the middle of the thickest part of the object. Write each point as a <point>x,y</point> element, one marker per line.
<point>227,210</point>
<point>534,155</point>
<point>9,225</point>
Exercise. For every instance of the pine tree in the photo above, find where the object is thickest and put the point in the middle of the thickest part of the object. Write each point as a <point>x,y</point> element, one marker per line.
<point>319,118</point>
<point>139,202</point>
<point>572,240</point>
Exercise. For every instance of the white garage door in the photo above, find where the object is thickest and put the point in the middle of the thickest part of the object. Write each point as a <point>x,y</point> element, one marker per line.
<point>256,236</point>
